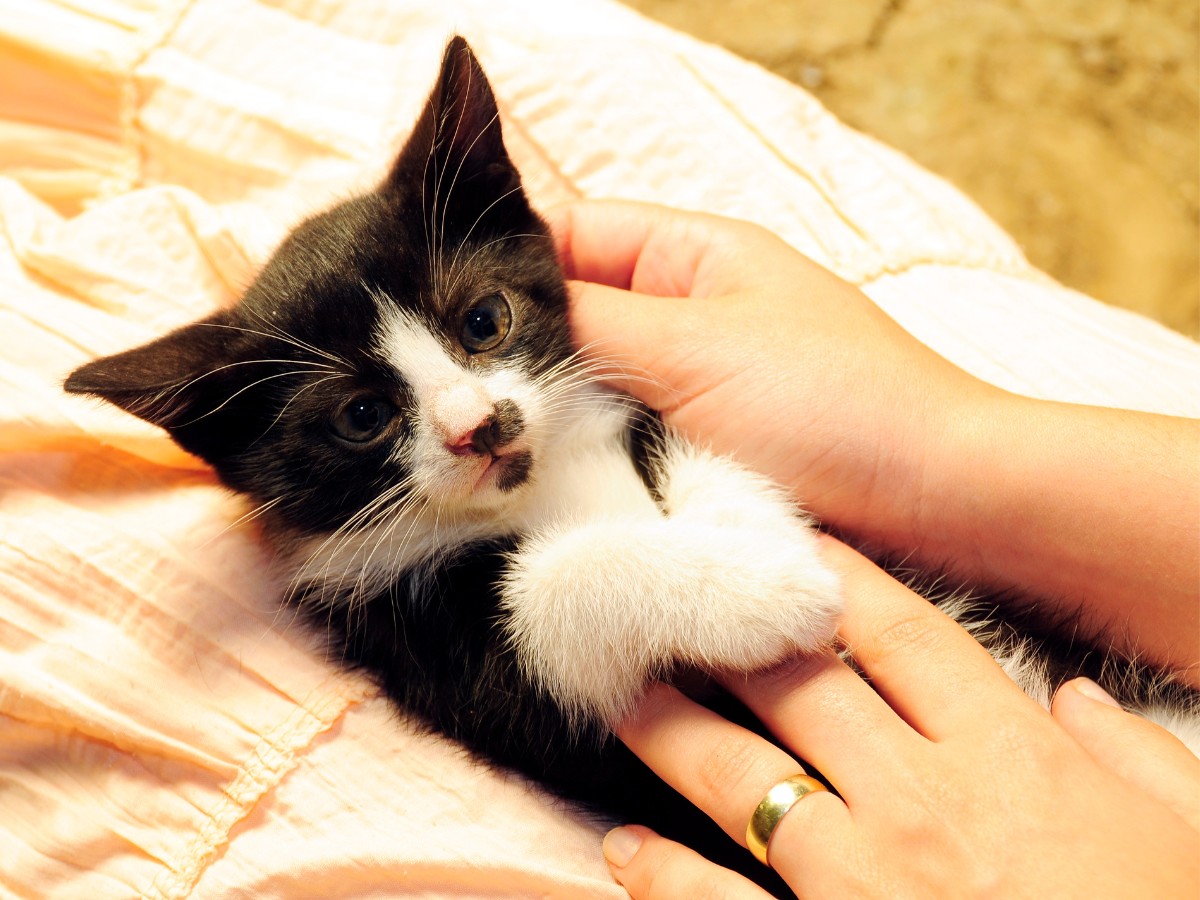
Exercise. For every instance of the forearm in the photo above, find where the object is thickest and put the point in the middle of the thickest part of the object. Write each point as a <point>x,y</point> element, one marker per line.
<point>1094,511</point>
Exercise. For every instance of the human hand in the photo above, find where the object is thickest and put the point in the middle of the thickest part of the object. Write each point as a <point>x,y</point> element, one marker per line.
<point>743,344</point>
<point>731,333</point>
<point>952,782</point>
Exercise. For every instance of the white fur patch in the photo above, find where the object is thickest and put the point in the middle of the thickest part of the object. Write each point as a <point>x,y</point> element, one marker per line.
<point>1183,724</point>
<point>451,401</point>
<point>728,579</point>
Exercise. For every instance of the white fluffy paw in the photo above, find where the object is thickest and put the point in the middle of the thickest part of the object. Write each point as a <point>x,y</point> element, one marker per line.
<point>698,486</point>
<point>598,611</point>
<point>778,597</point>
<point>774,598</point>
<point>577,621</point>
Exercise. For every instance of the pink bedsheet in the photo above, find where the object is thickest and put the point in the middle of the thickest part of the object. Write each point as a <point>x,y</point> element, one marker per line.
<point>164,730</point>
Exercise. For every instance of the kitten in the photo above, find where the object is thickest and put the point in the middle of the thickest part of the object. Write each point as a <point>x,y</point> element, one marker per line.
<point>512,549</point>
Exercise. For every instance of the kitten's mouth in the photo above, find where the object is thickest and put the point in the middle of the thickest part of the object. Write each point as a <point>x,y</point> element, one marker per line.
<point>506,471</point>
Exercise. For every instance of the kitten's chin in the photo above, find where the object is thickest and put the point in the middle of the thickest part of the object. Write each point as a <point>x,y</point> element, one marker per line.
<point>507,473</point>
<point>492,488</point>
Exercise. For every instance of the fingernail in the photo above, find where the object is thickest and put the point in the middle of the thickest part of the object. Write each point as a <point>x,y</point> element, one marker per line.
<point>1090,689</point>
<point>620,845</point>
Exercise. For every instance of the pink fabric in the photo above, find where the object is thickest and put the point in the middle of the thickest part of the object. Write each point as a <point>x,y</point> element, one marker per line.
<point>164,730</point>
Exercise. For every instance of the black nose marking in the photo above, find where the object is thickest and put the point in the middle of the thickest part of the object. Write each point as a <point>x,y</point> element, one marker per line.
<point>503,426</point>
<point>509,423</point>
<point>485,438</point>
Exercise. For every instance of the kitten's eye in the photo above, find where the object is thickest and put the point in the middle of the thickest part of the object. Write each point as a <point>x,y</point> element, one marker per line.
<point>486,324</point>
<point>362,419</point>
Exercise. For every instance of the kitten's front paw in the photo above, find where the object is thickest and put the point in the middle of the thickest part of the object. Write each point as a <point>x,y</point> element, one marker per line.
<point>774,599</point>
<point>578,604</point>
<point>778,597</point>
<point>597,612</point>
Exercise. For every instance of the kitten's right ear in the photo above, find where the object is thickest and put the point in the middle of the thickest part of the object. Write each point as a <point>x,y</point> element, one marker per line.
<point>170,382</point>
<point>457,147</point>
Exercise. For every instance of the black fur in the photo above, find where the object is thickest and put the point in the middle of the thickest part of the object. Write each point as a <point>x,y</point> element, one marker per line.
<point>248,389</point>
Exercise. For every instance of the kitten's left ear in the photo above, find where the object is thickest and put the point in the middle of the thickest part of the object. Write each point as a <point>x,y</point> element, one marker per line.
<point>457,148</point>
<point>186,382</point>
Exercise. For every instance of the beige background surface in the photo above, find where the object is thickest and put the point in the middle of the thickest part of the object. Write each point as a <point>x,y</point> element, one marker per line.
<point>1074,123</point>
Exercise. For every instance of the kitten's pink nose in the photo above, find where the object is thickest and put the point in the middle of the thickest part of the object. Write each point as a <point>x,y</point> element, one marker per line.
<point>479,440</point>
<point>456,412</point>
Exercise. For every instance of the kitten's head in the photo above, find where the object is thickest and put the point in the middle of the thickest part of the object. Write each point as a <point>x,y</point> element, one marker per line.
<point>394,352</point>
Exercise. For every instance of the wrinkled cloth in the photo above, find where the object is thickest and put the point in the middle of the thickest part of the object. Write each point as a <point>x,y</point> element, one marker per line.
<point>166,731</point>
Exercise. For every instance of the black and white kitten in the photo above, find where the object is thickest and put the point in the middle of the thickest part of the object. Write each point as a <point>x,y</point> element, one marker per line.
<point>456,499</point>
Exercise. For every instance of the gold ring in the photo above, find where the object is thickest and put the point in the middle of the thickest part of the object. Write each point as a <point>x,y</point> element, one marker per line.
<point>773,808</point>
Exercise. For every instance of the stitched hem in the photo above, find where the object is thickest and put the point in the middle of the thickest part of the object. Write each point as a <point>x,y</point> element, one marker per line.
<point>128,174</point>
<point>276,754</point>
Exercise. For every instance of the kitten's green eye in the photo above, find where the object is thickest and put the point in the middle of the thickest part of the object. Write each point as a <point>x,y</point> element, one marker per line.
<point>362,419</point>
<point>486,324</point>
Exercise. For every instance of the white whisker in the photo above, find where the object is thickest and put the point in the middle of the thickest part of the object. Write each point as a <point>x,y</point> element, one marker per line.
<point>241,520</point>
<point>450,272</point>
<point>290,373</point>
<point>307,387</point>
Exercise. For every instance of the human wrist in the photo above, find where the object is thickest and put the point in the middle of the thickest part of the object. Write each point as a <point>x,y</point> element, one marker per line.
<point>958,485</point>
<point>924,499</point>
<point>1093,511</point>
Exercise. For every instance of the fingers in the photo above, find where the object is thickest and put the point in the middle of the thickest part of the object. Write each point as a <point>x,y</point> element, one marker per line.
<point>926,666</point>
<point>644,341</point>
<point>720,767</point>
<point>651,867</point>
<point>826,714</point>
<point>726,772</point>
<point>635,299</point>
<point>600,242</point>
<point>668,252</point>
<point>1132,747</point>
<point>634,246</point>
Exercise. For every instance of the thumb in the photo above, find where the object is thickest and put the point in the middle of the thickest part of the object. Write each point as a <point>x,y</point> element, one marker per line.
<point>654,868</point>
<point>649,346</point>
<point>1132,747</point>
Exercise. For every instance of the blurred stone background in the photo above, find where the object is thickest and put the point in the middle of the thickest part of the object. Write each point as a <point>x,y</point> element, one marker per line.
<point>1074,123</point>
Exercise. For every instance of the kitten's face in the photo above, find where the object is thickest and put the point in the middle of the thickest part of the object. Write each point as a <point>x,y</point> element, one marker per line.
<point>398,352</point>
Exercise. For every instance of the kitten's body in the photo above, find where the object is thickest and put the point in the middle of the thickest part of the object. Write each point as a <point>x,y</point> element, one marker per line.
<point>462,508</point>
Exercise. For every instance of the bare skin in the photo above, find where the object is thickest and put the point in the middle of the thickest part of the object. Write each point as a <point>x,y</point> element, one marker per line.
<point>951,781</point>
